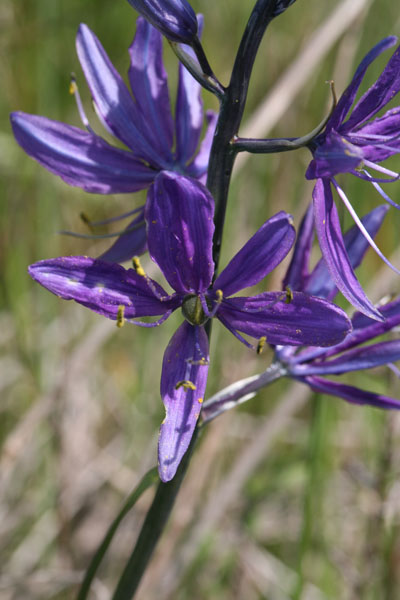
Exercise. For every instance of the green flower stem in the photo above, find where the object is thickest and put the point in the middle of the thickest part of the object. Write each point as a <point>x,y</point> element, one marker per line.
<point>152,529</point>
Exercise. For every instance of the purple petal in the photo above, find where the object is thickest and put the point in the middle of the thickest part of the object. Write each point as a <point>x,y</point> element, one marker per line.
<point>390,311</point>
<point>347,98</point>
<point>381,137</point>
<point>188,114</point>
<point>102,286</point>
<point>179,215</point>
<point>304,320</point>
<point>351,394</point>
<point>149,85</point>
<point>185,360</point>
<point>174,18</point>
<point>366,357</point>
<point>259,256</point>
<point>199,165</point>
<point>130,244</point>
<point>334,252</point>
<point>320,282</point>
<point>113,100</point>
<point>298,271</point>
<point>384,89</point>
<point>78,157</point>
<point>334,154</point>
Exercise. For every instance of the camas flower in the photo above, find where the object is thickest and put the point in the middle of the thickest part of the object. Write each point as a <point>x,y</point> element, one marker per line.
<point>309,365</point>
<point>175,19</point>
<point>357,145</point>
<point>143,123</point>
<point>179,216</point>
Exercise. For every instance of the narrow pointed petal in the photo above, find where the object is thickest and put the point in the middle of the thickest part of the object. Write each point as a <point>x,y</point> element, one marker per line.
<point>304,320</point>
<point>298,272</point>
<point>179,216</point>
<point>199,166</point>
<point>185,360</point>
<point>112,98</point>
<point>149,85</point>
<point>174,18</point>
<point>365,329</point>
<point>320,282</point>
<point>384,89</point>
<point>129,244</point>
<point>334,252</point>
<point>380,138</point>
<point>101,286</point>
<point>259,256</point>
<point>348,96</point>
<point>366,357</point>
<point>351,394</point>
<point>78,157</point>
<point>188,113</point>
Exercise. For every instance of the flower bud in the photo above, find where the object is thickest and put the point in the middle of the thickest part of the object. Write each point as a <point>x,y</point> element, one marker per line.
<point>173,18</point>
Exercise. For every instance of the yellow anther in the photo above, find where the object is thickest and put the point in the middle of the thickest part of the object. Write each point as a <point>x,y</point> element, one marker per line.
<point>138,267</point>
<point>289,294</point>
<point>261,344</point>
<point>186,384</point>
<point>72,87</point>
<point>219,295</point>
<point>120,316</point>
<point>200,400</point>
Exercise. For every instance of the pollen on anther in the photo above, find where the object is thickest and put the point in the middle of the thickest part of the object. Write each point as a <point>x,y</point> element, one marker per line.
<point>138,267</point>
<point>186,384</point>
<point>261,344</point>
<point>120,316</point>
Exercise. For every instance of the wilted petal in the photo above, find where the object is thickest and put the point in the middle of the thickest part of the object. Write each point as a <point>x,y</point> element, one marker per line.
<point>384,89</point>
<point>113,100</point>
<point>333,155</point>
<point>78,157</point>
<point>199,166</point>
<point>102,286</point>
<point>351,394</point>
<point>301,320</point>
<point>366,357</point>
<point>334,252</point>
<point>298,271</point>
<point>259,256</point>
<point>347,98</point>
<point>185,362</point>
<point>149,85</point>
<point>179,216</point>
<point>320,282</point>
<point>129,244</point>
<point>174,18</point>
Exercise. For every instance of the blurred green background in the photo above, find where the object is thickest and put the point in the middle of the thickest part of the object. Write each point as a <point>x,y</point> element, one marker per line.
<point>290,496</point>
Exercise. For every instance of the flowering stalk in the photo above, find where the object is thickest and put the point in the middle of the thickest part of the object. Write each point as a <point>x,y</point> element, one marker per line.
<point>220,167</point>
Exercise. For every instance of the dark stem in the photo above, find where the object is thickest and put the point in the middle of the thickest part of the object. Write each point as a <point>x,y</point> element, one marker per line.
<point>222,155</point>
<point>152,529</point>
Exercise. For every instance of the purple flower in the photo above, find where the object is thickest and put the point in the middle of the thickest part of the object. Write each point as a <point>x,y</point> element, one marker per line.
<point>143,123</point>
<point>175,19</point>
<point>355,352</point>
<point>355,144</point>
<point>179,217</point>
